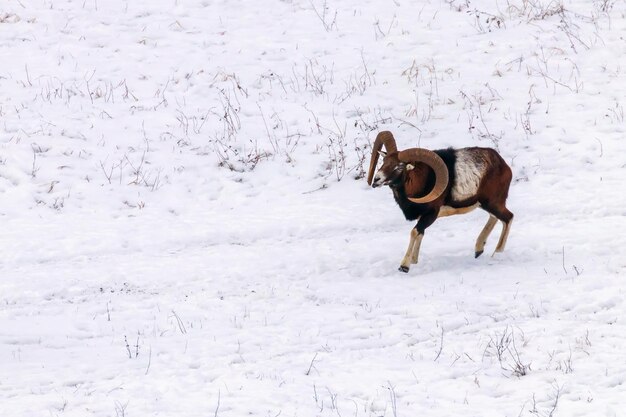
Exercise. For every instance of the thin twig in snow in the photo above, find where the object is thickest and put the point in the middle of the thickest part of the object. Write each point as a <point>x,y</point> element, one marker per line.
<point>308,372</point>
<point>440,345</point>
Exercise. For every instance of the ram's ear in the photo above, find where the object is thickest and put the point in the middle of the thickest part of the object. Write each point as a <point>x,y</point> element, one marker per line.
<point>409,167</point>
<point>383,154</point>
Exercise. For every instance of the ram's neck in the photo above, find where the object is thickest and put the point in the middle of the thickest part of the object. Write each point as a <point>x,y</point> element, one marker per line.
<point>411,211</point>
<point>415,183</point>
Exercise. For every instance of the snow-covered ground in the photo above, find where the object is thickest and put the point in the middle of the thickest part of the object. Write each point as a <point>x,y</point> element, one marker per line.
<point>186,230</point>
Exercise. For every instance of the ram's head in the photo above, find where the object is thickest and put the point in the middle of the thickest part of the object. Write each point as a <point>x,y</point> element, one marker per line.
<point>396,164</point>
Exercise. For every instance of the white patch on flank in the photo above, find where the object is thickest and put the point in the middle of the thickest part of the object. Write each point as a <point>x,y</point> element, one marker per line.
<point>468,173</point>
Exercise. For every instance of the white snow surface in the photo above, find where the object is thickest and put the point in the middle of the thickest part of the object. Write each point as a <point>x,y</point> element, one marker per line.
<point>186,230</point>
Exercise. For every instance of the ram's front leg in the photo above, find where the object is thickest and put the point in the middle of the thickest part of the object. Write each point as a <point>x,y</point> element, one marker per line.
<point>417,234</point>
<point>416,247</point>
<point>408,256</point>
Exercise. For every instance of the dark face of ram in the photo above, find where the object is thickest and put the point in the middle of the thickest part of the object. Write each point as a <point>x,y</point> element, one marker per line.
<point>391,172</point>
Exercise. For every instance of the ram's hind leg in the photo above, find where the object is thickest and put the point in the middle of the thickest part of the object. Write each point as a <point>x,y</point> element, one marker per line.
<point>506,217</point>
<point>499,212</point>
<point>479,248</point>
<point>506,226</point>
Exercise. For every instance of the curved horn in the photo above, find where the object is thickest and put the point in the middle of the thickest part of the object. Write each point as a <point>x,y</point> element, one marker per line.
<point>434,161</point>
<point>383,138</point>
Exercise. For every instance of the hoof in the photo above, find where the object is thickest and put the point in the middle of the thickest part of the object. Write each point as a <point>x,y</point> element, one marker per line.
<point>477,254</point>
<point>403,268</point>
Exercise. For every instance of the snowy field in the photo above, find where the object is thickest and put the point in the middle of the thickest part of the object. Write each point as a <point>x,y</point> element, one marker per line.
<point>186,230</point>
